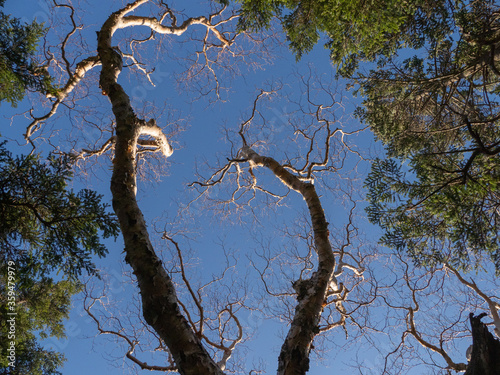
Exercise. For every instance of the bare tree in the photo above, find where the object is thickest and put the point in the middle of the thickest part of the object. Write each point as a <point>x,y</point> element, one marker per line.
<point>331,269</point>
<point>130,136</point>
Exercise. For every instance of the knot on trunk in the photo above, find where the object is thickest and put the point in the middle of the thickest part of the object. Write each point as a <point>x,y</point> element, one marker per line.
<point>303,286</point>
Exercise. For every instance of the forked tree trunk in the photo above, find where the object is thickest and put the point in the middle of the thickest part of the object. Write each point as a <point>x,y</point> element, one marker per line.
<point>485,357</point>
<point>159,300</point>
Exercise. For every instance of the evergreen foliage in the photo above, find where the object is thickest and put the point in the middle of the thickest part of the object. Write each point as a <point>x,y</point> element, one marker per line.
<point>356,30</point>
<point>19,70</point>
<point>438,115</point>
<point>48,234</point>
<point>45,226</point>
<point>40,311</point>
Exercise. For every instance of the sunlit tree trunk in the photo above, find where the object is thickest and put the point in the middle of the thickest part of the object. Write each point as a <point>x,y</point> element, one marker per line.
<point>312,292</point>
<point>159,301</point>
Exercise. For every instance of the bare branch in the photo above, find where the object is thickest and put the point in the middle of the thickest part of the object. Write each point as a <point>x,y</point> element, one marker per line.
<point>493,306</point>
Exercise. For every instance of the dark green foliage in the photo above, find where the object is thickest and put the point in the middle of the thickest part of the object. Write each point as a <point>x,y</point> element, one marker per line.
<point>34,360</point>
<point>438,115</point>
<point>45,226</point>
<point>356,30</point>
<point>46,230</point>
<point>258,14</point>
<point>19,70</point>
<point>434,221</point>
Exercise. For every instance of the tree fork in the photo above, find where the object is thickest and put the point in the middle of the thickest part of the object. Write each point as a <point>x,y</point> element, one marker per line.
<point>159,300</point>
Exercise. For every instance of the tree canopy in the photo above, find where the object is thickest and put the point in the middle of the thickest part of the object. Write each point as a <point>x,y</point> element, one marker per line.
<point>437,114</point>
<point>356,31</point>
<point>48,235</point>
<point>19,69</point>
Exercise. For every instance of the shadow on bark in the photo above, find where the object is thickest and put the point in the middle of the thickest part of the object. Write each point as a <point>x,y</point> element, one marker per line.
<point>485,357</point>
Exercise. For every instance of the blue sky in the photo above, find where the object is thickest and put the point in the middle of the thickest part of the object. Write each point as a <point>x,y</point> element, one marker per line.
<point>202,139</point>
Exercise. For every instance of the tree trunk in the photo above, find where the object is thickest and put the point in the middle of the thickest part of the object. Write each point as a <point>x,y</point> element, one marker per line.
<point>485,358</point>
<point>159,299</point>
<point>312,292</point>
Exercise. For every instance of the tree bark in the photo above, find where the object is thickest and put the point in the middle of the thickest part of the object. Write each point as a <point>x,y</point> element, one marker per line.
<point>159,300</point>
<point>485,357</point>
<point>312,292</point>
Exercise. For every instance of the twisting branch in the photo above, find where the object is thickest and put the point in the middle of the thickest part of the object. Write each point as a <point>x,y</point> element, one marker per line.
<point>410,319</point>
<point>226,350</point>
<point>412,329</point>
<point>311,293</point>
<point>155,25</point>
<point>247,122</point>
<point>68,36</point>
<point>86,153</point>
<point>492,305</point>
<point>201,320</point>
<point>135,62</point>
<point>427,308</point>
<point>131,343</point>
<point>81,69</point>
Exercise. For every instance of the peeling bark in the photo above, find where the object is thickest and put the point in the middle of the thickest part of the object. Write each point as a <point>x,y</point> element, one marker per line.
<point>311,293</point>
<point>159,300</point>
<point>485,357</point>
